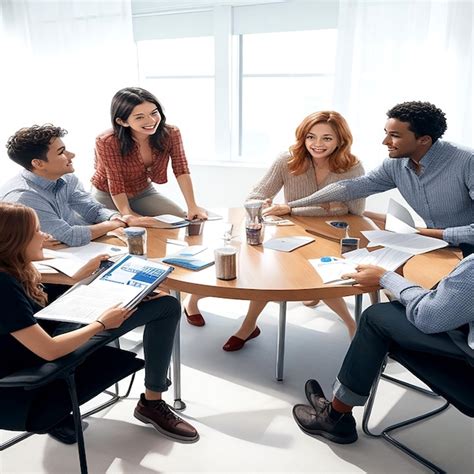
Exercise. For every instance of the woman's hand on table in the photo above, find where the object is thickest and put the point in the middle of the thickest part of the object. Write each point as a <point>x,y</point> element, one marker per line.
<point>277,210</point>
<point>196,212</point>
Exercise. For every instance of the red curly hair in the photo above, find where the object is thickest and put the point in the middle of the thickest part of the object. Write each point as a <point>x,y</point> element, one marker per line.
<point>341,160</point>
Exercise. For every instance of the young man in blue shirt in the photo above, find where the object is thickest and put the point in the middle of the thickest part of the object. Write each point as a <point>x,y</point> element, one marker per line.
<point>47,184</point>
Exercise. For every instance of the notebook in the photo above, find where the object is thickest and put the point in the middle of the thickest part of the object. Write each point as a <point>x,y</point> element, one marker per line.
<point>127,282</point>
<point>170,221</point>
<point>287,244</point>
<point>194,257</point>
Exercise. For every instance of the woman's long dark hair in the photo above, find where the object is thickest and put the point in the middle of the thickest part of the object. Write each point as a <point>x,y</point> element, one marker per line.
<point>123,102</point>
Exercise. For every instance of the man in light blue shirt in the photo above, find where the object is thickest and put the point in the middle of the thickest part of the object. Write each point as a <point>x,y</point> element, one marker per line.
<point>47,184</point>
<point>438,321</point>
<point>435,177</point>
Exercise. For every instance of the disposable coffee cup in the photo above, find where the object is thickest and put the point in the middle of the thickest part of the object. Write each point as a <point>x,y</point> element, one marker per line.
<point>195,227</point>
<point>136,240</point>
<point>226,263</point>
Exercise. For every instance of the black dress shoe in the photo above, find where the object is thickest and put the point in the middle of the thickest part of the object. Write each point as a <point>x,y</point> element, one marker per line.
<point>324,421</point>
<point>65,431</point>
<point>313,392</point>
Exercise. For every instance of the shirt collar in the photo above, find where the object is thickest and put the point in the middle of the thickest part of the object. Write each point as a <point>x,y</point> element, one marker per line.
<point>428,158</point>
<point>43,183</point>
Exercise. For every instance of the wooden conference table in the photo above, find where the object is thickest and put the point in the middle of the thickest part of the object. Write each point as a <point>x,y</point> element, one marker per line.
<point>269,275</point>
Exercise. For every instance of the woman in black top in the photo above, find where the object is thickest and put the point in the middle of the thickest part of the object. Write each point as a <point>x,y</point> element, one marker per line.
<point>24,342</point>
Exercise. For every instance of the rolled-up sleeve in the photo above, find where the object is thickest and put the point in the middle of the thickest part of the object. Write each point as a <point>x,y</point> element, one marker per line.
<point>179,163</point>
<point>109,164</point>
<point>459,235</point>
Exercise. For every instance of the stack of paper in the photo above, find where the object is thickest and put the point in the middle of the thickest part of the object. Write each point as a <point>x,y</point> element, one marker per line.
<point>387,258</point>
<point>401,234</point>
<point>410,243</point>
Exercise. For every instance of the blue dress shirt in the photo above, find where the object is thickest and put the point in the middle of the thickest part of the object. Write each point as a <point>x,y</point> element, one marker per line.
<point>442,193</point>
<point>64,208</point>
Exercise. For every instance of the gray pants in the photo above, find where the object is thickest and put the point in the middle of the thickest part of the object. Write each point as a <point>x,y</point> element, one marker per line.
<point>147,203</point>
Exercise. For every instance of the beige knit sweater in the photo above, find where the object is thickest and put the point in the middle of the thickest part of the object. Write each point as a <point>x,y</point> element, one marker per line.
<point>296,187</point>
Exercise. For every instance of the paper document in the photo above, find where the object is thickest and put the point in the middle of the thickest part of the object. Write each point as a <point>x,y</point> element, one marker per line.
<point>169,221</point>
<point>399,219</point>
<point>411,243</point>
<point>71,259</point>
<point>86,252</point>
<point>387,258</point>
<point>287,244</point>
<point>126,282</point>
<point>213,216</point>
<point>331,269</point>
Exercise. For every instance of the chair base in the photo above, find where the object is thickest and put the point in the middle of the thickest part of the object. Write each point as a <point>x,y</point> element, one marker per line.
<point>386,433</point>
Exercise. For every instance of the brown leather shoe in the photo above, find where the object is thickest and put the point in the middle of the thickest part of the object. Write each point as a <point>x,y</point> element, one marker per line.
<point>194,319</point>
<point>159,414</point>
<point>235,343</point>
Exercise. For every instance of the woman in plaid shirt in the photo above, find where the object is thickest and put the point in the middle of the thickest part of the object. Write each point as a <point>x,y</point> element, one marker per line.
<point>135,154</point>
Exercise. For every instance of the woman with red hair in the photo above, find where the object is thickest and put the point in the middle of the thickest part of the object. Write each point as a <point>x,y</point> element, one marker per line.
<point>320,156</point>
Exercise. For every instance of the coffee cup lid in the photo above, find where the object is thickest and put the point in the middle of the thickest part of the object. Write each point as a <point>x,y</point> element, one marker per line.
<point>134,231</point>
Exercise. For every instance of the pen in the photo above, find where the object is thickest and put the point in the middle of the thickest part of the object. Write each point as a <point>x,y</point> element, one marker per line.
<point>321,234</point>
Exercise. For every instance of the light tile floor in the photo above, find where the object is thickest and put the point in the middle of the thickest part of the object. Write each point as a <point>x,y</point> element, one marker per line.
<point>244,415</point>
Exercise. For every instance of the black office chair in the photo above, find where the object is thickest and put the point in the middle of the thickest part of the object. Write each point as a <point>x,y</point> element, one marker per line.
<point>37,398</point>
<point>450,379</point>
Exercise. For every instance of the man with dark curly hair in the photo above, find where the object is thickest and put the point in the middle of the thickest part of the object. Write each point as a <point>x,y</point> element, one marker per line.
<point>47,184</point>
<point>435,177</point>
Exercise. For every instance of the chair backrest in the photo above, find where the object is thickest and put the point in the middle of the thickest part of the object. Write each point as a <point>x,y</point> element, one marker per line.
<point>466,249</point>
<point>451,378</point>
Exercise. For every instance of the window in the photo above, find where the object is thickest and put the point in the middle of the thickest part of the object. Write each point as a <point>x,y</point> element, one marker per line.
<point>180,73</point>
<point>284,77</point>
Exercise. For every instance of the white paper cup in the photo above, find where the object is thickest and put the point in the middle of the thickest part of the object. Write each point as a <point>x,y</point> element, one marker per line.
<point>226,263</point>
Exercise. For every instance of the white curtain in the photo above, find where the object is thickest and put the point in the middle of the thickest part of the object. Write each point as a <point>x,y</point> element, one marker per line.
<point>396,51</point>
<point>62,61</point>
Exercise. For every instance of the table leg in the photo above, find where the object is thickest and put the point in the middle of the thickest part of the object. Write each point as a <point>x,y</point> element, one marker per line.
<point>375,297</point>
<point>358,308</point>
<point>281,341</point>
<point>176,363</point>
